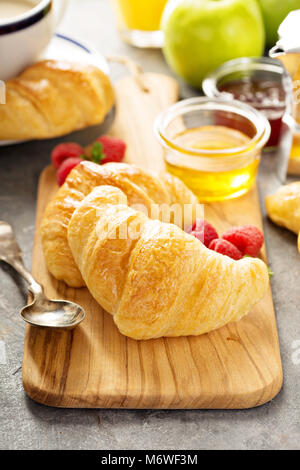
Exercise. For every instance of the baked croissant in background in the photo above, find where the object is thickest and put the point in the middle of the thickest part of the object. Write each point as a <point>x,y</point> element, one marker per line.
<point>52,98</point>
<point>162,282</point>
<point>283,207</point>
<point>143,188</point>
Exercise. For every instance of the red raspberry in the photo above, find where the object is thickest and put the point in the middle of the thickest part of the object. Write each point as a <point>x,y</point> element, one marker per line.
<point>225,248</point>
<point>247,238</point>
<point>65,168</point>
<point>63,151</point>
<point>204,231</point>
<point>198,235</point>
<point>113,149</point>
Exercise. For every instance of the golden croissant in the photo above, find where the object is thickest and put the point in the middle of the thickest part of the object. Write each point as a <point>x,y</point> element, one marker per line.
<point>161,281</point>
<point>144,189</point>
<point>53,98</point>
<point>283,207</point>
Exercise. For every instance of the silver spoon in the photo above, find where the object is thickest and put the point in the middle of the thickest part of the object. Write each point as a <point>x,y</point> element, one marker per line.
<point>42,311</point>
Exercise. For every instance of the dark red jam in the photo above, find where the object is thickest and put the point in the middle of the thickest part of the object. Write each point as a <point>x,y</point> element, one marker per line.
<point>266,96</point>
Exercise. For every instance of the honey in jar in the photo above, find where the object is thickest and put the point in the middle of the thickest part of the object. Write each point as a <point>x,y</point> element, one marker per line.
<point>209,184</point>
<point>213,146</point>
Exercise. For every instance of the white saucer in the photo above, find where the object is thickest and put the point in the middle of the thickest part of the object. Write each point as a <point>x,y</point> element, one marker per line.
<point>64,47</point>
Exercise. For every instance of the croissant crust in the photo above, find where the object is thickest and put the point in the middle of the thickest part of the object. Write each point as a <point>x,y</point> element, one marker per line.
<point>163,281</point>
<point>52,98</point>
<point>144,189</point>
<point>283,207</point>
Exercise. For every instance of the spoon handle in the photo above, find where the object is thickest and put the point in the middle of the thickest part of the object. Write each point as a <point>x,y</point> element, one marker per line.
<point>11,253</point>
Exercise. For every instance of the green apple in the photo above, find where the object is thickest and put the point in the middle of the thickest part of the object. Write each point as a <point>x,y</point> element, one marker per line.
<point>202,34</point>
<point>274,12</point>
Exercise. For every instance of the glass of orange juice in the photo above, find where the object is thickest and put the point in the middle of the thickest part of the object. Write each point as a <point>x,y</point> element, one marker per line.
<point>139,21</point>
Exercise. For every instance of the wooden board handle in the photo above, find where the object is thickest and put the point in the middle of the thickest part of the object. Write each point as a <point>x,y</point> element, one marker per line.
<point>136,111</point>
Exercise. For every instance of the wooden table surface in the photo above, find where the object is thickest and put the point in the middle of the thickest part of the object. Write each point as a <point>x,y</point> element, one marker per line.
<point>27,425</point>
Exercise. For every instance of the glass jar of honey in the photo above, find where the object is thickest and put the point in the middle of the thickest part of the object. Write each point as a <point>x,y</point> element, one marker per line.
<point>213,145</point>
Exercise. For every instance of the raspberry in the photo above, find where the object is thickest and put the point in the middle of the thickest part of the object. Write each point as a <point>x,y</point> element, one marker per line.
<point>198,235</point>
<point>65,168</point>
<point>113,150</point>
<point>63,151</point>
<point>225,248</point>
<point>204,231</point>
<point>247,238</point>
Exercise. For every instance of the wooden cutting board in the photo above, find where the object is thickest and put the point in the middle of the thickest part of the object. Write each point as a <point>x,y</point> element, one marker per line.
<point>94,366</point>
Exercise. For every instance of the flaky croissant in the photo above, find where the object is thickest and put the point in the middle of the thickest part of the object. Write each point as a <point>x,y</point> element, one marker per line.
<point>142,188</point>
<point>53,98</point>
<point>283,207</point>
<point>162,281</point>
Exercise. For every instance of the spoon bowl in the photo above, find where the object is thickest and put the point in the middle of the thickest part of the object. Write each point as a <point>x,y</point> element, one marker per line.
<point>42,311</point>
<point>53,314</point>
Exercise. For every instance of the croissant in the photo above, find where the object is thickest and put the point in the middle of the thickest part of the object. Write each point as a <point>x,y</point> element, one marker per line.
<point>53,98</point>
<point>283,207</point>
<point>144,189</point>
<point>161,281</point>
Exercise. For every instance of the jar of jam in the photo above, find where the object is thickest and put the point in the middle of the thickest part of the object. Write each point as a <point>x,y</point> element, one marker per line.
<point>260,82</point>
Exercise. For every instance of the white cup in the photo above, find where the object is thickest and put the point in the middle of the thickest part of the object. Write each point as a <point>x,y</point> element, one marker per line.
<point>23,37</point>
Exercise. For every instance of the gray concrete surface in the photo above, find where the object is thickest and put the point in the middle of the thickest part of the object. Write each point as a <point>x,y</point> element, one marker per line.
<point>27,425</point>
